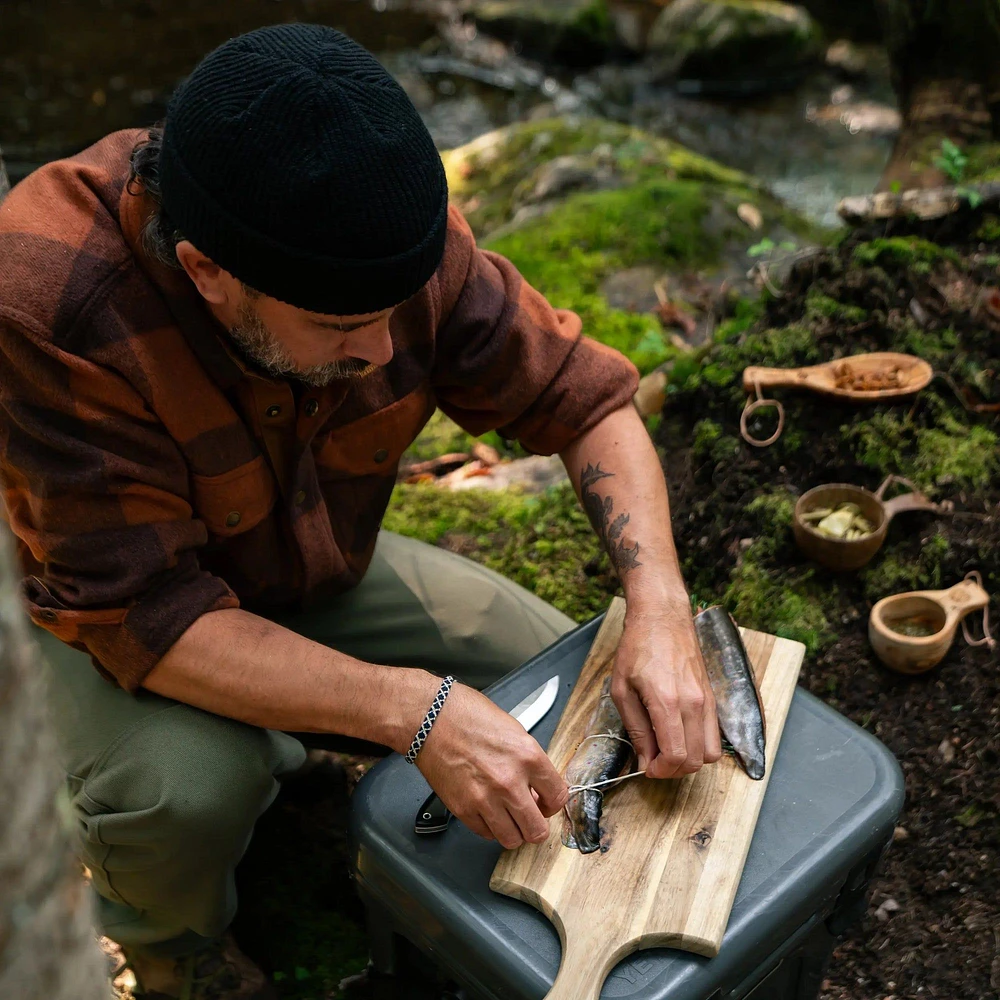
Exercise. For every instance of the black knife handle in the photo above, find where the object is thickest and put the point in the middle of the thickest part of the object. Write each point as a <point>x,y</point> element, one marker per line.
<point>432,816</point>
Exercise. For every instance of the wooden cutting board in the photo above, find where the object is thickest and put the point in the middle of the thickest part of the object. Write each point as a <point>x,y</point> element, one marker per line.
<point>675,848</point>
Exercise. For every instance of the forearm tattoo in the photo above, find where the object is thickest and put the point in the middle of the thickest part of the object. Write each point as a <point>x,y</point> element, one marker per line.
<point>600,509</point>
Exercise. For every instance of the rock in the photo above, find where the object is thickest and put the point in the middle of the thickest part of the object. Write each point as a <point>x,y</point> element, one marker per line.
<point>857,116</point>
<point>570,173</point>
<point>632,20</point>
<point>596,214</point>
<point>534,474</point>
<point>888,906</point>
<point>946,751</point>
<point>754,43</point>
<point>633,289</point>
<point>575,32</point>
<point>846,58</point>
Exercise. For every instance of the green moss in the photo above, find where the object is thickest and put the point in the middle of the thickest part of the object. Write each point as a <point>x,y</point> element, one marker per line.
<point>956,454</point>
<point>984,163</point>
<point>670,208</point>
<point>934,346</point>
<point>902,251</point>
<point>746,312</point>
<point>819,307</point>
<point>569,252</point>
<point>768,601</point>
<point>950,454</point>
<point>706,433</point>
<point>439,437</point>
<point>761,592</point>
<point>989,229</point>
<point>891,574</point>
<point>544,542</point>
<point>722,365</point>
<point>594,22</point>
<point>489,176</point>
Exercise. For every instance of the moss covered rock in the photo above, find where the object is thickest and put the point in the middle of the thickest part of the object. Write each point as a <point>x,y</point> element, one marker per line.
<point>575,32</point>
<point>753,41</point>
<point>635,199</point>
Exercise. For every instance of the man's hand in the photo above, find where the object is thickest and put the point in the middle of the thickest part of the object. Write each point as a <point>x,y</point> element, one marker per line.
<point>489,772</point>
<point>662,692</point>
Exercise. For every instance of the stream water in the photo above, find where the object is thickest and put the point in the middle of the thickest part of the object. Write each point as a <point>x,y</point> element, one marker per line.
<point>74,70</point>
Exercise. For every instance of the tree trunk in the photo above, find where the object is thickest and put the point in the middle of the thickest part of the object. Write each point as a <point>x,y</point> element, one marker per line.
<point>4,182</point>
<point>48,949</point>
<point>945,58</point>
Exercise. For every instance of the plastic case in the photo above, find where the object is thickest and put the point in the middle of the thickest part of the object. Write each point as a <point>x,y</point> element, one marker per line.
<point>827,818</point>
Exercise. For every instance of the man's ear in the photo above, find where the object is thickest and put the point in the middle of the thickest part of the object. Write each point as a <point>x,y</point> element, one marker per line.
<point>211,280</point>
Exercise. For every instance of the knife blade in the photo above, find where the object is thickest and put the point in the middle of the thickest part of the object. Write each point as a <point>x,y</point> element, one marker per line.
<point>433,816</point>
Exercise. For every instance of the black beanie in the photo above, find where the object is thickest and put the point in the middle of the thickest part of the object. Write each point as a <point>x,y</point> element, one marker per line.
<point>294,161</point>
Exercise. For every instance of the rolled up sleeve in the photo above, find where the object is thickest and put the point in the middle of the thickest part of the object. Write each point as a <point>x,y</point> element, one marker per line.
<point>97,494</point>
<point>507,360</point>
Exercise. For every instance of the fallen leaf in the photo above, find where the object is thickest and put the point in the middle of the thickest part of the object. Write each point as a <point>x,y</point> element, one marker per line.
<point>991,300</point>
<point>651,394</point>
<point>750,214</point>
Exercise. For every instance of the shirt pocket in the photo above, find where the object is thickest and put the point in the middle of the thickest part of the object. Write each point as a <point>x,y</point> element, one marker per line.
<point>373,445</point>
<point>234,501</point>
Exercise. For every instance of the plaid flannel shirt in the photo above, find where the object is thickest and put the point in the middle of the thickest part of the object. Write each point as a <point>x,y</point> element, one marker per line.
<point>151,475</point>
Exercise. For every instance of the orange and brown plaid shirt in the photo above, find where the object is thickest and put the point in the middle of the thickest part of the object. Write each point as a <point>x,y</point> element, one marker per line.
<point>151,476</point>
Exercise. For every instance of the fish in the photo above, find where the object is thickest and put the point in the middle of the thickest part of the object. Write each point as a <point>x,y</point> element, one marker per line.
<point>603,754</point>
<point>730,673</point>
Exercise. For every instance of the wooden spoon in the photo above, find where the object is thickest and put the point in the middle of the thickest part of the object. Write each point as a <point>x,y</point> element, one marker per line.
<point>862,376</point>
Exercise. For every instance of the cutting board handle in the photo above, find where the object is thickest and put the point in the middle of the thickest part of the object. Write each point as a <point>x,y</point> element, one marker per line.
<point>583,968</point>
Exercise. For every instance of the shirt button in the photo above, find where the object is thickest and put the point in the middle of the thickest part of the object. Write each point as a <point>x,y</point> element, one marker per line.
<point>381,455</point>
<point>312,407</point>
<point>233,518</point>
<point>273,411</point>
<point>300,497</point>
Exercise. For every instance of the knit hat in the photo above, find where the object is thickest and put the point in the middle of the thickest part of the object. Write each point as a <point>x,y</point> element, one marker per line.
<point>294,161</point>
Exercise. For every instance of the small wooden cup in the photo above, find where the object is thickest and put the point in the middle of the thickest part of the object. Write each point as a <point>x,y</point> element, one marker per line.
<point>843,554</point>
<point>943,610</point>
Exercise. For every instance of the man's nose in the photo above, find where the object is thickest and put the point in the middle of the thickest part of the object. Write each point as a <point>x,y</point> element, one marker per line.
<point>373,344</point>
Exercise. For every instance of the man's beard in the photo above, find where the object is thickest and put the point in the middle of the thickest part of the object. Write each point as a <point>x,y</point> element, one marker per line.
<point>257,342</point>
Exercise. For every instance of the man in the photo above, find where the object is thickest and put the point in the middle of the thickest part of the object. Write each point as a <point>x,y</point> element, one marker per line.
<point>216,340</point>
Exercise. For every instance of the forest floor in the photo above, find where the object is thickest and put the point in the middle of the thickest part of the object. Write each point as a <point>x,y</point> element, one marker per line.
<point>932,924</point>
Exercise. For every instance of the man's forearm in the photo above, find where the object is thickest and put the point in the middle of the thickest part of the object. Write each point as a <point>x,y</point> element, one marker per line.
<point>617,475</point>
<point>237,664</point>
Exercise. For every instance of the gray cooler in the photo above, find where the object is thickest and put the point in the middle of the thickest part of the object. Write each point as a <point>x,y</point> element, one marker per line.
<point>827,817</point>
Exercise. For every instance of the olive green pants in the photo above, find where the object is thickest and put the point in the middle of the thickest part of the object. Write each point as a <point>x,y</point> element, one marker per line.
<point>165,796</point>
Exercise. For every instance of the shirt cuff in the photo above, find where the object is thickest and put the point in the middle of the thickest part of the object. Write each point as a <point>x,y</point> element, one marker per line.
<point>125,643</point>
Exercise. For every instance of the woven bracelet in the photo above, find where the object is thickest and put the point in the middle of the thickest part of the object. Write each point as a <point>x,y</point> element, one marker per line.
<point>432,713</point>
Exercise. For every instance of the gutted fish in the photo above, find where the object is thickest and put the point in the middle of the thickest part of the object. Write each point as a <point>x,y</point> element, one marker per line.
<point>603,754</point>
<point>740,712</point>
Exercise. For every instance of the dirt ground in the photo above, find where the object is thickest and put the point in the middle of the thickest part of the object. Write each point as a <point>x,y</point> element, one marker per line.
<point>932,928</point>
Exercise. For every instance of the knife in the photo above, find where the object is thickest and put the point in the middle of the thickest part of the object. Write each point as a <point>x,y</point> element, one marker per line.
<point>433,815</point>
